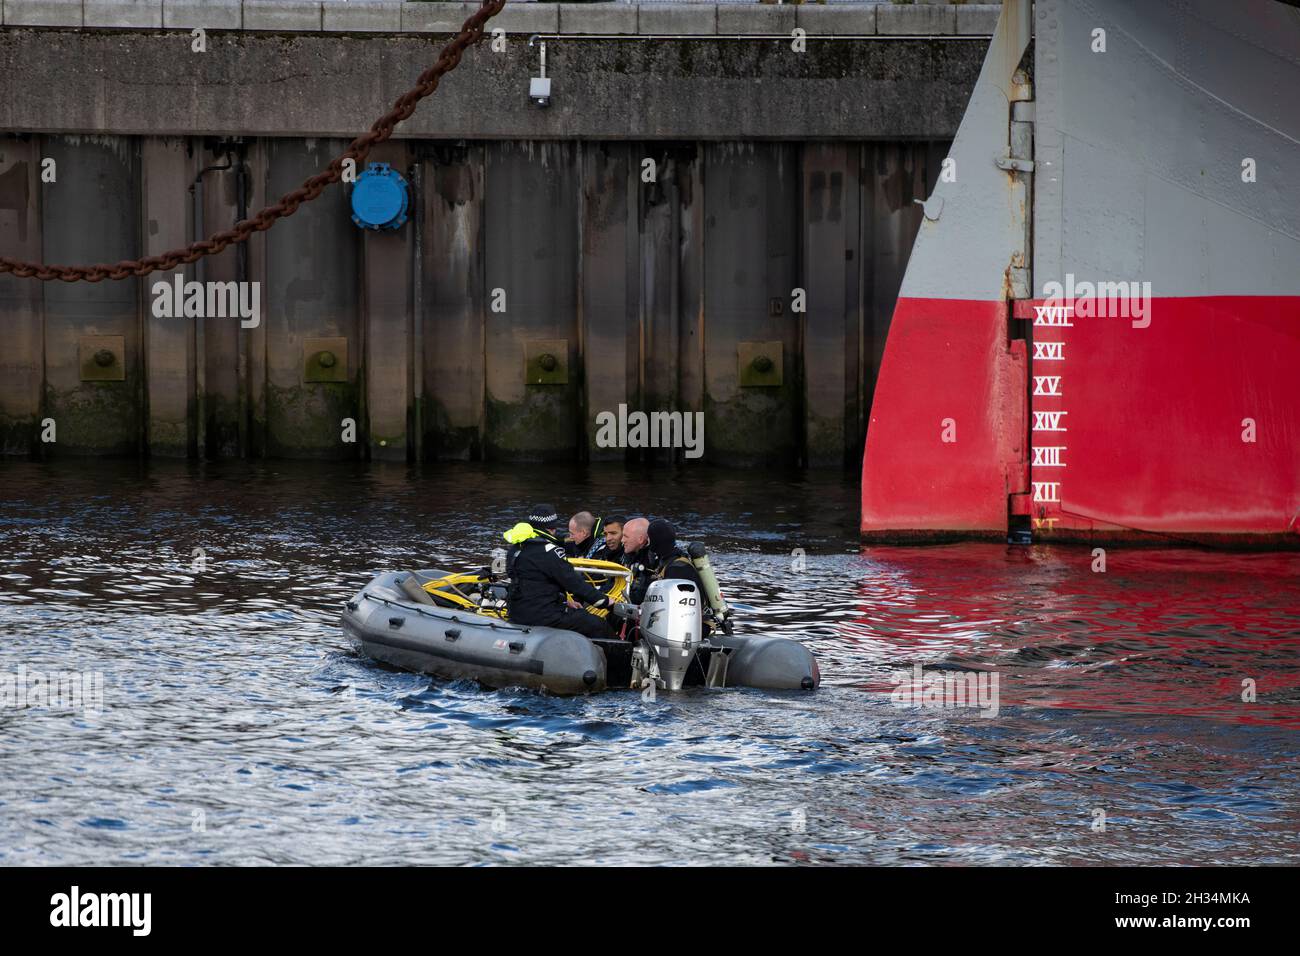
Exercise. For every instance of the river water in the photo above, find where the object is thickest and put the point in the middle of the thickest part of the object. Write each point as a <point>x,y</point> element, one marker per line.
<point>238,727</point>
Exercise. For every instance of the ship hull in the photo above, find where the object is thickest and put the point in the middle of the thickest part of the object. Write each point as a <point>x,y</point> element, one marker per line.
<point>1103,343</point>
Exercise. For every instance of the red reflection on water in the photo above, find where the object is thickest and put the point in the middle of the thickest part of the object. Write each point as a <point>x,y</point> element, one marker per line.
<point>1159,631</point>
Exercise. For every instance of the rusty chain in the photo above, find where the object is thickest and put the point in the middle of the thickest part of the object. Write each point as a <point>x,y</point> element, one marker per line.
<point>471,34</point>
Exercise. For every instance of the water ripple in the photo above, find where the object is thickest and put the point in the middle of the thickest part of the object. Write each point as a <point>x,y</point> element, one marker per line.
<point>238,728</point>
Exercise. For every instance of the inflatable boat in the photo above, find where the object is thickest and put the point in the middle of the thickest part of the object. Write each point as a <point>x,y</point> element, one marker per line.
<point>398,619</point>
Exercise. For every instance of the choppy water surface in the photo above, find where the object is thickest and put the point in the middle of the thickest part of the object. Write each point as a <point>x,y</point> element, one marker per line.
<point>238,727</point>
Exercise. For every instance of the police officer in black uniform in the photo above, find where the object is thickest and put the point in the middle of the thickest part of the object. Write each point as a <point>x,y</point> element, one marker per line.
<point>540,578</point>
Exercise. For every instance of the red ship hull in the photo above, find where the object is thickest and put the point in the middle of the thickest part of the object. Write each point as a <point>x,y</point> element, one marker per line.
<point>1098,336</point>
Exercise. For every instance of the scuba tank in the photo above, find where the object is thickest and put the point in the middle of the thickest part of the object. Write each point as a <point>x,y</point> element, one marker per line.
<point>700,558</point>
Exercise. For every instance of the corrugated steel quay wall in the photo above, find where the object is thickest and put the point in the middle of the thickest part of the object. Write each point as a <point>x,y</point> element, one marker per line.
<point>653,295</point>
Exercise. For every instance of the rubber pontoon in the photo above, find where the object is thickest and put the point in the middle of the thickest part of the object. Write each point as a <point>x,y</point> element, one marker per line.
<point>393,620</point>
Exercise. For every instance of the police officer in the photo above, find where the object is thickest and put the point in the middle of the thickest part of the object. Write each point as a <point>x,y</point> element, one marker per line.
<point>540,578</point>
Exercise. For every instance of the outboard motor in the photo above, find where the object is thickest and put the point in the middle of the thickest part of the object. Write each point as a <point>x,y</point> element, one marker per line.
<point>672,626</point>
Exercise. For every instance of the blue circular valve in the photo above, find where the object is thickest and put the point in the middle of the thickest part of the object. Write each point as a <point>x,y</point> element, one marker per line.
<point>380,198</point>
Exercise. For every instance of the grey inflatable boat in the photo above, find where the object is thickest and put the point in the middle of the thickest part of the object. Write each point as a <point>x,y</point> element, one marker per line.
<point>394,620</point>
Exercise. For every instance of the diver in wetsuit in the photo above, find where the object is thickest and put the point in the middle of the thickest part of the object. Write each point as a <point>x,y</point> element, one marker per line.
<point>670,560</point>
<point>611,549</point>
<point>674,563</point>
<point>540,577</point>
<point>596,539</point>
<point>637,557</point>
<point>584,537</point>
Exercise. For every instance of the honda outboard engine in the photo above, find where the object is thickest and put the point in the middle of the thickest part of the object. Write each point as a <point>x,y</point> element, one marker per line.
<point>672,626</point>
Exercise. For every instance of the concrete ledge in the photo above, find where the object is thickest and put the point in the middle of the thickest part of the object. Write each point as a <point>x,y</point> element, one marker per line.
<point>525,18</point>
<point>667,18</point>
<point>837,21</point>
<point>607,18</point>
<point>765,18</point>
<point>978,19</point>
<point>293,16</point>
<point>363,16</point>
<point>208,14</point>
<point>925,20</point>
<point>42,13</point>
<point>434,17</point>
<point>612,18</point>
<point>92,81</point>
<point>125,14</point>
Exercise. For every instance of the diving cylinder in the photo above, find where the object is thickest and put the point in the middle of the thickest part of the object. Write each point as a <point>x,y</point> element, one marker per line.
<point>700,558</point>
<point>672,624</point>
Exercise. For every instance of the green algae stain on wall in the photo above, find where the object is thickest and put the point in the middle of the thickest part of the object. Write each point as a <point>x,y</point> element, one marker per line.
<point>308,421</point>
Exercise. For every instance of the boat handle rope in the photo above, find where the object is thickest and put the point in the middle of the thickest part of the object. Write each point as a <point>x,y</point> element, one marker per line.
<point>471,34</point>
<point>439,617</point>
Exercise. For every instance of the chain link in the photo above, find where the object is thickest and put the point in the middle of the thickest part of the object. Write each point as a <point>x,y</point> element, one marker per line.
<point>471,34</point>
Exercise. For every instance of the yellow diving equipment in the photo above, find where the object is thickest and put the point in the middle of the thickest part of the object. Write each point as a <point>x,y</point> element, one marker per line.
<point>469,589</point>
